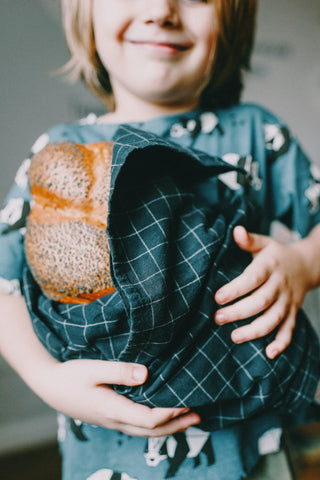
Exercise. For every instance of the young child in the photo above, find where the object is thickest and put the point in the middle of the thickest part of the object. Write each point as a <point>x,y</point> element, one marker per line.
<point>172,68</point>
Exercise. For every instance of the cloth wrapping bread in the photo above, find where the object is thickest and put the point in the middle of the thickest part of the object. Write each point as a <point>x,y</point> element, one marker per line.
<point>169,252</point>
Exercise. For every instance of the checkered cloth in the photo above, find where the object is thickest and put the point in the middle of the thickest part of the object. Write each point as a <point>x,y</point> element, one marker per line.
<point>170,252</point>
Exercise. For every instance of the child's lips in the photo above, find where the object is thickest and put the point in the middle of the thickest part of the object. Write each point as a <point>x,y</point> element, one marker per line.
<point>162,46</point>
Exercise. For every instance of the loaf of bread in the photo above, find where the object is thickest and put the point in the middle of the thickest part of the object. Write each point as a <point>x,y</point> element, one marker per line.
<point>66,243</point>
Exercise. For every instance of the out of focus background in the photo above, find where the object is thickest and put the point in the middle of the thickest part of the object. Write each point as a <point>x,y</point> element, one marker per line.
<point>285,78</point>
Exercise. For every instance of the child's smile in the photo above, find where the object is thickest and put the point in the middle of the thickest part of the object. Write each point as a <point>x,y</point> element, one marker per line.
<point>157,52</point>
<point>162,47</point>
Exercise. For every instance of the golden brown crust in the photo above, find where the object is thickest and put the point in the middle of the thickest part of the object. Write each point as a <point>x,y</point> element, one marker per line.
<point>66,243</point>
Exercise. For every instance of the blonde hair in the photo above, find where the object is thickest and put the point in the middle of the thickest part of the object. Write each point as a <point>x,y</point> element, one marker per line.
<point>235,39</point>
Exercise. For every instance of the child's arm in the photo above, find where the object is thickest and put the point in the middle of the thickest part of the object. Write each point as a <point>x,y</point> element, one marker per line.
<point>276,283</point>
<point>79,388</point>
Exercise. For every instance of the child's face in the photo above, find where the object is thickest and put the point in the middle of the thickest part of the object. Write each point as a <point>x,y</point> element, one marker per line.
<point>158,51</point>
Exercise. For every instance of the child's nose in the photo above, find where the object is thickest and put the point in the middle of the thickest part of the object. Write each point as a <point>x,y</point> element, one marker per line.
<point>162,12</point>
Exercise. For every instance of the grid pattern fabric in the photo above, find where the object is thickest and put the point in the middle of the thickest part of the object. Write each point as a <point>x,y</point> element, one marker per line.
<point>170,251</point>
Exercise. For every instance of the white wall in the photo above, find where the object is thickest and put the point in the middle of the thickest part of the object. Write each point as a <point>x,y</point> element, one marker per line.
<point>31,98</point>
<point>286,66</point>
<point>285,77</point>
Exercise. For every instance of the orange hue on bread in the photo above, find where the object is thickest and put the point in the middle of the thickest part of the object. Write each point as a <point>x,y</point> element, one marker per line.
<point>66,243</point>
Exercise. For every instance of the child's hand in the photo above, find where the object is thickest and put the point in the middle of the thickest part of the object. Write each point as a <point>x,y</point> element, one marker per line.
<point>276,283</point>
<point>79,388</point>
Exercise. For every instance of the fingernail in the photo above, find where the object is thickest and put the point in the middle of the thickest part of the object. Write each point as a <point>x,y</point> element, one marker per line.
<point>272,353</point>
<point>237,337</point>
<point>220,297</point>
<point>182,411</point>
<point>139,373</point>
<point>196,419</point>
<point>220,318</point>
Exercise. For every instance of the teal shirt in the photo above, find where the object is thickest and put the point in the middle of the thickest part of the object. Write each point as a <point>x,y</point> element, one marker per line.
<point>279,177</point>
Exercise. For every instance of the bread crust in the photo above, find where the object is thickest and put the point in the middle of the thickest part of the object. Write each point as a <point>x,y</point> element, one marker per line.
<point>66,243</point>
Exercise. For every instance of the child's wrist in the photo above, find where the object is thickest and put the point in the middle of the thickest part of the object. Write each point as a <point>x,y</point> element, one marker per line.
<point>308,251</point>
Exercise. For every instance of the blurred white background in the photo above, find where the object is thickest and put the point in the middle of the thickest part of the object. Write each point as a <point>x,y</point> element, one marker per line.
<point>285,77</point>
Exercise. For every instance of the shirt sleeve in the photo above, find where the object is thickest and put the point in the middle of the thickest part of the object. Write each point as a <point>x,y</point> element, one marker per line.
<point>294,196</point>
<point>13,218</point>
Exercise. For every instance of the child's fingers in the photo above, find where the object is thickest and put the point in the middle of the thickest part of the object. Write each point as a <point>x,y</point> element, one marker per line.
<point>123,410</point>
<point>176,425</point>
<point>254,275</point>
<point>118,412</point>
<point>257,302</point>
<point>283,337</point>
<point>251,278</point>
<point>250,242</point>
<point>101,372</point>
<point>262,325</point>
<point>81,389</point>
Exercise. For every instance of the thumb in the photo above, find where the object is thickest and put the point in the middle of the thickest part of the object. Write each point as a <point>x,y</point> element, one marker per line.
<point>118,373</point>
<point>250,242</point>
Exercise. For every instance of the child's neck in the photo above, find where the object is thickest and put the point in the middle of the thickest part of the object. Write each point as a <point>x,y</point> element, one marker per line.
<point>141,111</point>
